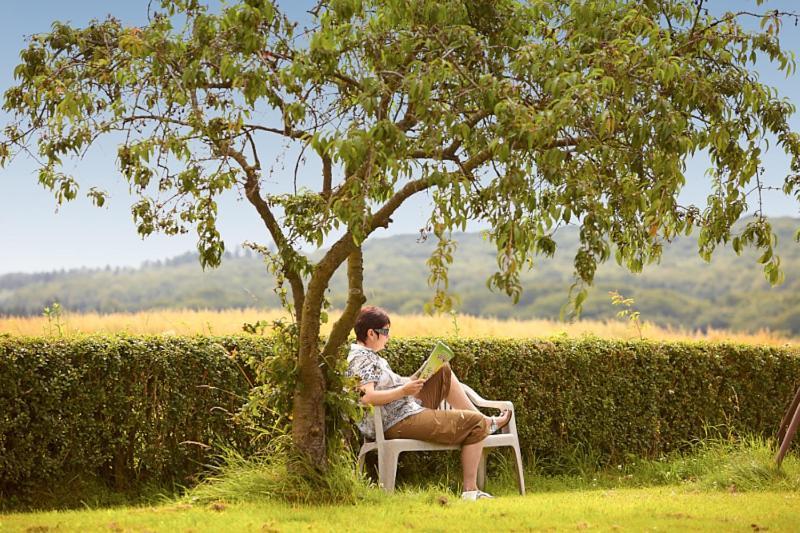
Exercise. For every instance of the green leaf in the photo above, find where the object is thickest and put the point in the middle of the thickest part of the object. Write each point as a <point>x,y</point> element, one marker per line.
<point>580,298</point>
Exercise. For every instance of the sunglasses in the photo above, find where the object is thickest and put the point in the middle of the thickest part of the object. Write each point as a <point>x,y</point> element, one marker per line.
<point>381,331</point>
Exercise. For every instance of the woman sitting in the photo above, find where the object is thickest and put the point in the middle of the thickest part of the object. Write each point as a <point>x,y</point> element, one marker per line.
<point>409,406</point>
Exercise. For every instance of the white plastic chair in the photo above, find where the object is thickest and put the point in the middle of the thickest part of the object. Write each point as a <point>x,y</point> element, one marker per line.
<point>390,449</point>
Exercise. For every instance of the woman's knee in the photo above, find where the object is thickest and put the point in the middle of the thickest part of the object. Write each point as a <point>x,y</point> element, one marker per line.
<point>479,429</point>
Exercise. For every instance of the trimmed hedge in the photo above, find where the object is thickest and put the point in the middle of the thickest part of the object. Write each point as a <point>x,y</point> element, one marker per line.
<point>120,409</point>
<point>638,397</point>
<point>129,410</point>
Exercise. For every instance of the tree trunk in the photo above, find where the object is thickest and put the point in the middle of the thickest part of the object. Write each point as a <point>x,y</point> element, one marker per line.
<point>308,418</point>
<point>308,412</point>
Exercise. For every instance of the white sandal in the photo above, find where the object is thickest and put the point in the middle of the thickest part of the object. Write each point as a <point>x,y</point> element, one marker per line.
<point>474,495</point>
<point>493,427</point>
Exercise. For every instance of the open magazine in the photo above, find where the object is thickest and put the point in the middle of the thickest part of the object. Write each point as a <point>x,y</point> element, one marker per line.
<point>440,355</point>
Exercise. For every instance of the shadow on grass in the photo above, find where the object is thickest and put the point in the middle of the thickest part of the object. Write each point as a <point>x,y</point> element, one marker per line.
<point>82,492</point>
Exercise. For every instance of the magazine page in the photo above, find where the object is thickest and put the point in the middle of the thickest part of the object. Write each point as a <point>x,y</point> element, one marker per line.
<point>440,355</point>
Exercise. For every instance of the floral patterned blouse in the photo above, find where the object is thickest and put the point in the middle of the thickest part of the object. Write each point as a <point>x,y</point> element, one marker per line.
<point>370,367</point>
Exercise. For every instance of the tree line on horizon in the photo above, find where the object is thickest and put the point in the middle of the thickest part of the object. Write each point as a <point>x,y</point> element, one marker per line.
<point>681,291</point>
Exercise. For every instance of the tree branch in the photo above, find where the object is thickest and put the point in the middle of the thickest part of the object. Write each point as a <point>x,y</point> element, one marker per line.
<point>257,166</point>
<point>355,299</point>
<point>288,254</point>
<point>382,217</point>
<point>408,121</point>
<point>157,118</point>
<point>327,176</point>
<point>449,153</point>
<point>345,246</point>
<point>286,132</point>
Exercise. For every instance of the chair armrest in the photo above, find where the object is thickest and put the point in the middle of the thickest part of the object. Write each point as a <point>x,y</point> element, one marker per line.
<point>476,399</point>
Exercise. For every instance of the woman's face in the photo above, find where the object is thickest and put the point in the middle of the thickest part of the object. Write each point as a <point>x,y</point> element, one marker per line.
<point>377,338</point>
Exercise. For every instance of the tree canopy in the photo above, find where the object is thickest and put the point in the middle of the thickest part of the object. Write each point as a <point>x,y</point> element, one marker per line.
<point>525,115</point>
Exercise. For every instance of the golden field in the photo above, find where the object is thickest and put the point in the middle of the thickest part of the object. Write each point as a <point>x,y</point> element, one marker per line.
<point>187,322</point>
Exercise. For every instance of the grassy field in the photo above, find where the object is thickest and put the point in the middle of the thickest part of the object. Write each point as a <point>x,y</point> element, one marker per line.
<point>663,508</point>
<point>718,485</point>
<point>186,322</point>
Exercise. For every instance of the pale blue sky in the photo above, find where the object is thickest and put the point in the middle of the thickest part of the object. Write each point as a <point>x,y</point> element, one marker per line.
<point>34,237</point>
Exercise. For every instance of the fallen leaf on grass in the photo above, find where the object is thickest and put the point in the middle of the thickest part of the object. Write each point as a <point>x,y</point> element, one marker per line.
<point>172,508</point>
<point>677,515</point>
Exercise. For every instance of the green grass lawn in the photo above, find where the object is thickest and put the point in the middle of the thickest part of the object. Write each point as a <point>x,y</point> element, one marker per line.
<point>662,508</point>
<point>719,485</point>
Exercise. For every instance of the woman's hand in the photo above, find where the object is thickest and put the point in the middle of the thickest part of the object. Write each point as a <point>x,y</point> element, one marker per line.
<point>413,387</point>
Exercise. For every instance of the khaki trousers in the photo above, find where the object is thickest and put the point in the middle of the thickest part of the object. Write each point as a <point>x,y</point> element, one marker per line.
<point>451,426</point>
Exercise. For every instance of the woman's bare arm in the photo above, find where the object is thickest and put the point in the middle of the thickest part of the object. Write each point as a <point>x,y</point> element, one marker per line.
<point>382,397</point>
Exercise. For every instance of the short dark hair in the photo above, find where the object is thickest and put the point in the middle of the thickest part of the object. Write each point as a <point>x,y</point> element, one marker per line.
<point>370,317</point>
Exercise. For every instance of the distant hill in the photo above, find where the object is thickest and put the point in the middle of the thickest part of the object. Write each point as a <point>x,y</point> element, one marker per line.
<point>729,292</point>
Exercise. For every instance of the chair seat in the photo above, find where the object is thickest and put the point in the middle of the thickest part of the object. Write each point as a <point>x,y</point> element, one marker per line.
<point>413,445</point>
<point>389,449</point>
<point>492,441</point>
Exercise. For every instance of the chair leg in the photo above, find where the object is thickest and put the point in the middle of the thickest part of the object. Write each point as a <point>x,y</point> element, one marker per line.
<point>481,480</point>
<point>362,456</point>
<point>520,476</point>
<point>387,468</point>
